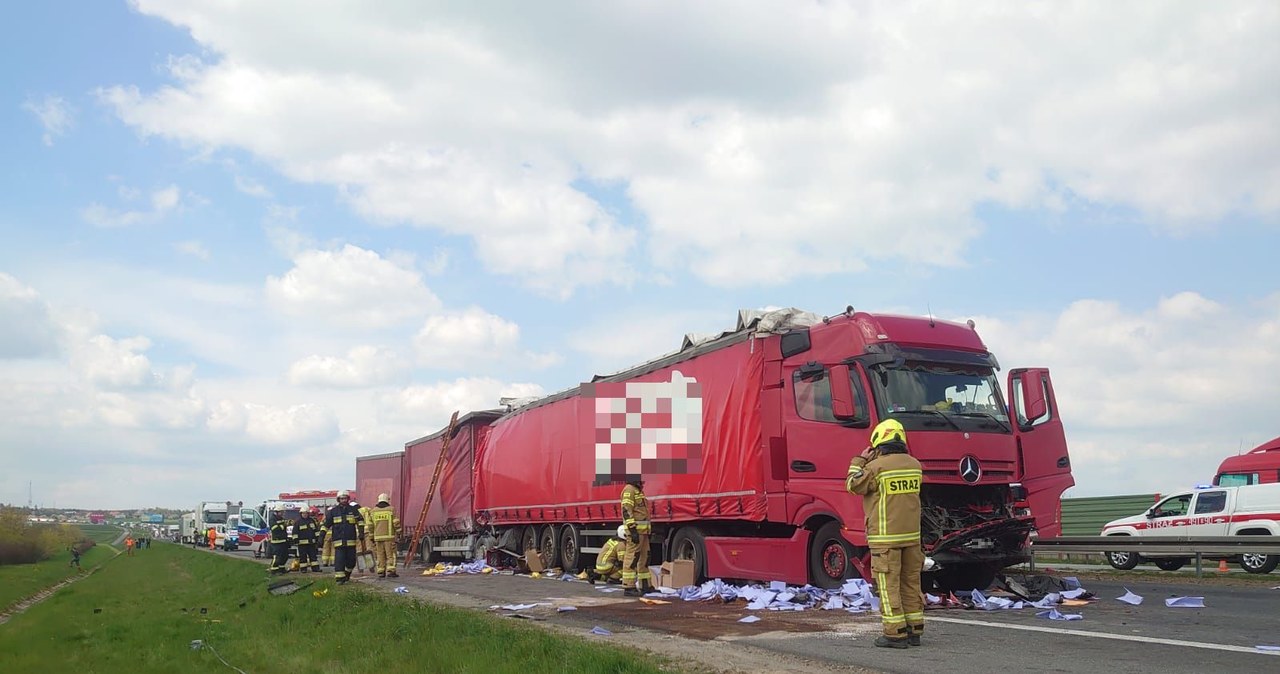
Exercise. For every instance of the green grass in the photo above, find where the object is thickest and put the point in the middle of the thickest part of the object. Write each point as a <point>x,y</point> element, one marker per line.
<point>150,612</point>
<point>102,534</point>
<point>19,581</point>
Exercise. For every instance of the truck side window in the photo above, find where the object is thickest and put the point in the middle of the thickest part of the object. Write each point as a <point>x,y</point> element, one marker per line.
<point>813,395</point>
<point>1211,502</point>
<point>1237,479</point>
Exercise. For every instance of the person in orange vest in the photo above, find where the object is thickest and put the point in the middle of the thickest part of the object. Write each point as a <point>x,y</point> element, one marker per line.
<point>213,538</point>
<point>128,546</point>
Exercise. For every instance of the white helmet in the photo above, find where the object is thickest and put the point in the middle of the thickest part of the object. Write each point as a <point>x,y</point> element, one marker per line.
<point>622,532</point>
<point>384,498</point>
<point>344,493</point>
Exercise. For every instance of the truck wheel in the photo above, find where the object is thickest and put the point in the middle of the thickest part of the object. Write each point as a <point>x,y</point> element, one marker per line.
<point>1170,564</point>
<point>426,551</point>
<point>1123,560</point>
<point>569,554</point>
<point>690,543</point>
<point>830,557</point>
<point>549,546</point>
<point>1258,563</point>
<point>528,539</point>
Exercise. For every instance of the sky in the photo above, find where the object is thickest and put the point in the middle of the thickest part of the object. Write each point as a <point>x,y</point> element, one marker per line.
<point>246,242</point>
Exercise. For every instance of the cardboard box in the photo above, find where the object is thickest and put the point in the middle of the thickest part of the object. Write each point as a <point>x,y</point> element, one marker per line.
<point>677,574</point>
<point>533,560</point>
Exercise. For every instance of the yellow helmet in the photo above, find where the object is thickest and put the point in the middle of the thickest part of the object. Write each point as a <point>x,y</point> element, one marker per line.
<point>889,429</point>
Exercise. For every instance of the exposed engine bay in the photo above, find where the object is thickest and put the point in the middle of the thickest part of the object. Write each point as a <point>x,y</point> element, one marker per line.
<point>973,524</point>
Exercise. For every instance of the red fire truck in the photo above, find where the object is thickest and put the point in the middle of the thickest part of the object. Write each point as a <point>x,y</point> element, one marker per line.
<point>745,462</point>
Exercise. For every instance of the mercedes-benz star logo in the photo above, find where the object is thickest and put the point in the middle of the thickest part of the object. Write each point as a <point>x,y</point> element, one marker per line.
<point>970,471</point>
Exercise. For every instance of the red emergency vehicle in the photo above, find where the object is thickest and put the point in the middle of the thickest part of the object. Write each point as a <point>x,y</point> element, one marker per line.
<point>1260,465</point>
<point>778,407</point>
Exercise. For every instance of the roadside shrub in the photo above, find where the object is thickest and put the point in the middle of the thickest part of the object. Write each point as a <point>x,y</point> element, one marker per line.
<point>23,542</point>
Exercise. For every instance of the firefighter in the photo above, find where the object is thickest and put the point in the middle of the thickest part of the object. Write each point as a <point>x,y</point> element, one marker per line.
<point>888,479</point>
<point>635,519</point>
<point>345,525</point>
<point>279,542</point>
<point>609,561</point>
<point>384,529</point>
<point>326,540</point>
<point>305,531</point>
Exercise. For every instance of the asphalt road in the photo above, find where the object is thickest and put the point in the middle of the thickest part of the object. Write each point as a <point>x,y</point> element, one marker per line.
<point>1113,637</point>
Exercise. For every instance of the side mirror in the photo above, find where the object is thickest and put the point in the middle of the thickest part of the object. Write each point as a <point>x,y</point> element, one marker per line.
<point>1151,512</point>
<point>842,401</point>
<point>1034,404</point>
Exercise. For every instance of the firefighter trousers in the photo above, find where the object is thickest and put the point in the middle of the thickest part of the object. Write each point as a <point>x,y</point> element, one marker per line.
<point>307,557</point>
<point>385,552</point>
<point>280,557</point>
<point>635,563</point>
<point>897,579</point>
<point>344,560</point>
<point>326,552</point>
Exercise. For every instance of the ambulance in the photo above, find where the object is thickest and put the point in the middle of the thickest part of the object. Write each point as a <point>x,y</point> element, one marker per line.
<point>1252,510</point>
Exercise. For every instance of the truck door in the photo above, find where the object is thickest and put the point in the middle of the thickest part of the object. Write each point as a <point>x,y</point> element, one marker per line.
<point>1044,463</point>
<point>1170,517</point>
<point>1209,514</point>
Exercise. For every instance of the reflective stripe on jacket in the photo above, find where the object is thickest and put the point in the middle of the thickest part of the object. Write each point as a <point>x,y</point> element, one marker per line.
<point>343,522</point>
<point>384,524</point>
<point>610,556</point>
<point>635,509</point>
<point>890,488</point>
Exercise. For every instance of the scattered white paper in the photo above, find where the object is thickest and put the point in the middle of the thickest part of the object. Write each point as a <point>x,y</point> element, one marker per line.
<point>668,590</point>
<point>932,600</point>
<point>1130,598</point>
<point>1073,594</point>
<point>1276,587</point>
<point>1268,648</point>
<point>1053,614</point>
<point>601,631</point>
<point>1184,602</point>
<point>401,590</point>
<point>608,589</point>
<point>562,609</point>
<point>750,619</point>
<point>1050,600</point>
<point>777,586</point>
<point>1072,582</point>
<point>834,603</point>
<point>518,607</point>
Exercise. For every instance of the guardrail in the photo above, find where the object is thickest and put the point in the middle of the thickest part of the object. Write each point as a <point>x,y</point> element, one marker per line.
<point>1178,545</point>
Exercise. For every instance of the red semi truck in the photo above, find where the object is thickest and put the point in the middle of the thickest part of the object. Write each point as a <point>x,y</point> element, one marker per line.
<point>1260,465</point>
<point>745,461</point>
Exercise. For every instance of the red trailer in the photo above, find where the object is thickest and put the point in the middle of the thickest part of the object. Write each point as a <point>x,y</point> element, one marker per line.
<point>450,522</point>
<point>380,474</point>
<point>771,414</point>
<point>1260,465</point>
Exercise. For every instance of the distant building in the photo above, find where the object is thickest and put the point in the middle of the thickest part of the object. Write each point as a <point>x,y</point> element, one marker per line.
<point>97,518</point>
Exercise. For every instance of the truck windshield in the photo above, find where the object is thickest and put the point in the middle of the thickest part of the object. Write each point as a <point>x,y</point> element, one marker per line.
<point>212,517</point>
<point>964,396</point>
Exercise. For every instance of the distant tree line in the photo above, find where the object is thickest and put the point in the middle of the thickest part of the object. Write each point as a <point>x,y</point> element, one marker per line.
<point>24,542</point>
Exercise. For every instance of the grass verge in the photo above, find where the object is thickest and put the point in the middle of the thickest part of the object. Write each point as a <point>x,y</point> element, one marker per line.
<point>152,606</point>
<point>102,534</point>
<point>19,581</point>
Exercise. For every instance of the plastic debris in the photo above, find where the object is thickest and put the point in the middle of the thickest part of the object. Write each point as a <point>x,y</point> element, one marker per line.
<point>601,631</point>
<point>1130,598</point>
<point>401,590</point>
<point>563,609</point>
<point>750,619</point>
<point>1053,614</point>
<point>1184,602</point>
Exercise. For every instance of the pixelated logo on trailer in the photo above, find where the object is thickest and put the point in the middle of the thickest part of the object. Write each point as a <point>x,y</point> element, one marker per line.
<point>644,429</point>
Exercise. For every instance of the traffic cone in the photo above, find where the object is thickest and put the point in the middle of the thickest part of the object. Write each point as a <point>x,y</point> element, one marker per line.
<point>1222,566</point>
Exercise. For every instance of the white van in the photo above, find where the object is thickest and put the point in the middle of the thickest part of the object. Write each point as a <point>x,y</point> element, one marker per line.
<point>1252,510</point>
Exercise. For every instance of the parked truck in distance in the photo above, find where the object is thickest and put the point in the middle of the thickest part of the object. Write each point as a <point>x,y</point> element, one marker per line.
<point>1261,465</point>
<point>744,440</point>
<point>1252,510</point>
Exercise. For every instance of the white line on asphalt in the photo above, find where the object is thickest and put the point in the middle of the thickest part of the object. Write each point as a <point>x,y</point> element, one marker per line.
<point>1103,635</point>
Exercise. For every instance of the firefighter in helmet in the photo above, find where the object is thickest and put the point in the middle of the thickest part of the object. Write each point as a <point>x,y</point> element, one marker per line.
<point>345,524</point>
<point>636,578</point>
<point>384,531</point>
<point>305,531</point>
<point>609,561</point>
<point>279,541</point>
<point>888,479</point>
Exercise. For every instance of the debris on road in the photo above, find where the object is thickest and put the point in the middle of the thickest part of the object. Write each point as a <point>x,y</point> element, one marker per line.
<point>1130,598</point>
<point>601,631</point>
<point>1184,602</point>
<point>1053,614</point>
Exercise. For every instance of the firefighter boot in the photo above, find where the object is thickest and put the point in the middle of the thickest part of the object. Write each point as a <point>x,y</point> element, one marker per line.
<point>391,573</point>
<point>591,576</point>
<point>913,636</point>
<point>632,592</point>
<point>885,642</point>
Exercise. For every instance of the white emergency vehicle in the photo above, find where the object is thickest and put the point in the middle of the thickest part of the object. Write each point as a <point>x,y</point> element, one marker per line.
<point>1252,510</point>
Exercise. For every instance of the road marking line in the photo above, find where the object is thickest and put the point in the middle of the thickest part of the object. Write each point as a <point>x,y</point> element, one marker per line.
<point>1103,635</point>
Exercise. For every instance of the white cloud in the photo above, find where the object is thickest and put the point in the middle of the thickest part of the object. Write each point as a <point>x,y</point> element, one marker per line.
<point>192,248</point>
<point>1152,399</point>
<point>351,286</point>
<point>296,424</point>
<point>55,115</point>
<point>252,188</point>
<point>110,363</point>
<point>429,406</point>
<point>758,147</point>
<point>164,202</point>
<point>27,328</point>
<point>363,367</point>
<point>474,339</point>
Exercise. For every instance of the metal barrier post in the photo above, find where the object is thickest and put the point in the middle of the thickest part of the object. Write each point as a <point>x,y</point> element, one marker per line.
<point>1197,565</point>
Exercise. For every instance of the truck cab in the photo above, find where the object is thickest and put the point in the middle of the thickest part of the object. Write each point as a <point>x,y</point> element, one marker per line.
<point>1261,465</point>
<point>1252,510</point>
